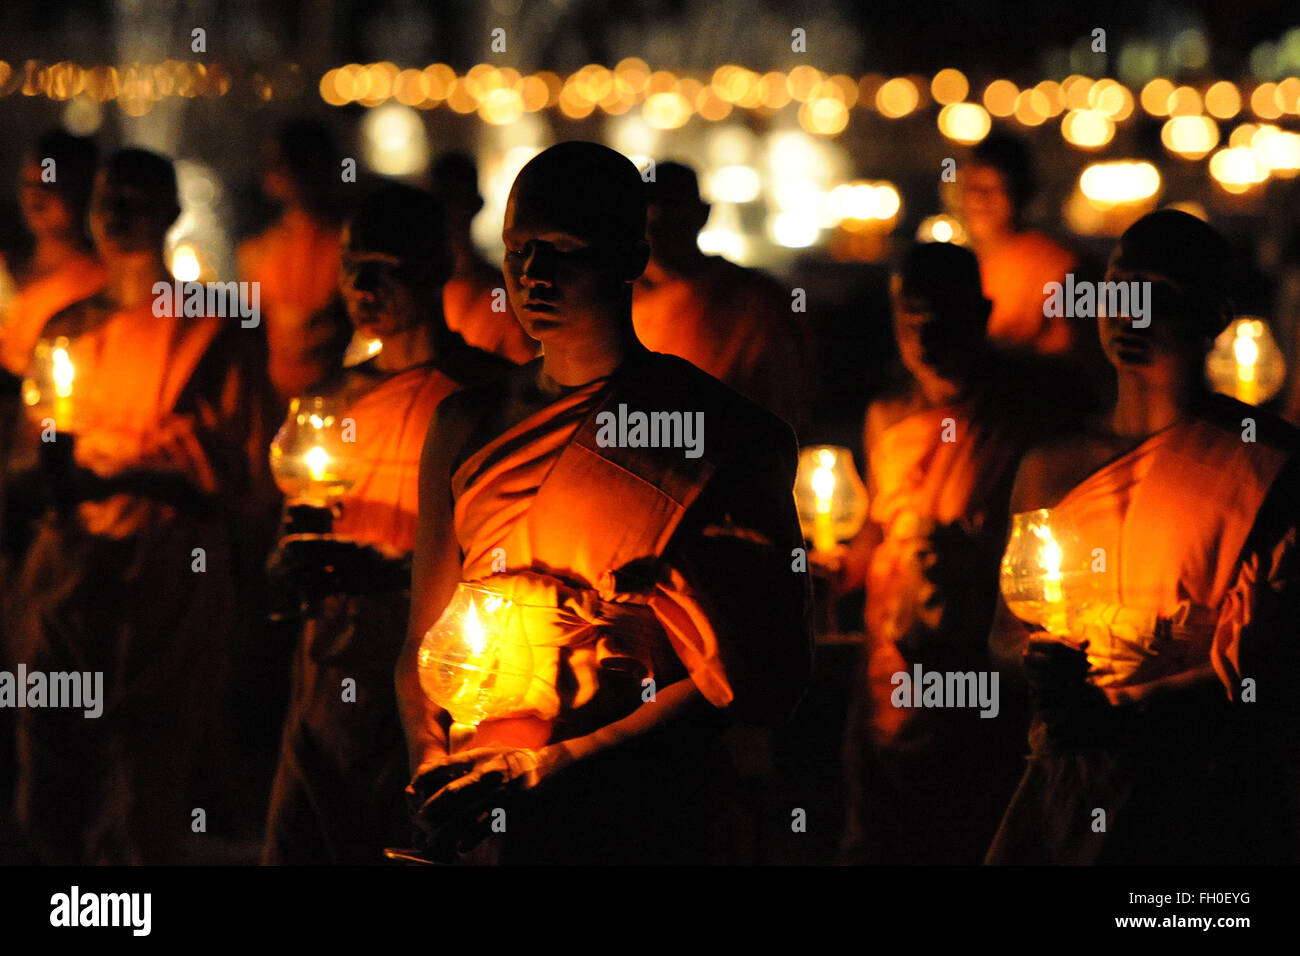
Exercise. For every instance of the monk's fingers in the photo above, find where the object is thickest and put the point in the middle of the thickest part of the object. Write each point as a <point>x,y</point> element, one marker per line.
<point>462,795</point>
<point>431,779</point>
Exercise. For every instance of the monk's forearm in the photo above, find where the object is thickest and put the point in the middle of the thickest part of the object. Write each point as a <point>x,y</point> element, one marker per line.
<point>419,716</point>
<point>1155,692</point>
<point>676,702</point>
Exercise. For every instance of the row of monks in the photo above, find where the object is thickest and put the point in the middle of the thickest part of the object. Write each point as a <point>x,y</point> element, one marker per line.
<point>662,596</point>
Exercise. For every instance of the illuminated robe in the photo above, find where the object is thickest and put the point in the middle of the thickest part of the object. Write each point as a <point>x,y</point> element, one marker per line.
<point>1198,529</point>
<point>655,566</point>
<point>928,786</point>
<point>736,324</point>
<point>27,312</point>
<point>296,263</point>
<point>1014,275</point>
<point>116,582</point>
<point>467,302</point>
<point>337,795</point>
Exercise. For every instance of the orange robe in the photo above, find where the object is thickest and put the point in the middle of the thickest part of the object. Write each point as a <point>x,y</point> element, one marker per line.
<point>337,795</point>
<point>928,786</point>
<point>28,311</point>
<point>296,263</point>
<point>737,325</point>
<point>115,585</point>
<point>1198,530</point>
<point>467,302</point>
<point>1014,275</point>
<point>654,566</point>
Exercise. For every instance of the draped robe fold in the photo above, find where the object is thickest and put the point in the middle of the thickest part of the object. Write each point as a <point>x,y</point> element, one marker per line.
<point>658,567</point>
<point>1198,531</point>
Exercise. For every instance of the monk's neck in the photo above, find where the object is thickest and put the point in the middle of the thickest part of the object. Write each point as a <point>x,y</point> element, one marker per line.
<point>131,279</point>
<point>1143,409</point>
<point>572,365</point>
<point>402,351</point>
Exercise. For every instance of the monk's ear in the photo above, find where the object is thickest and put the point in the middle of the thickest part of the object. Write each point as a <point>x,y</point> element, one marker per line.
<point>638,255</point>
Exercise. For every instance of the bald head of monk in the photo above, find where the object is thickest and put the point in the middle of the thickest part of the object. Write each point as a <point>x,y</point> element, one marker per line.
<point>675,214</point>
<point>574,234</point>
<point>1184,264</point>
<point>940,312</point>
<point>395,260</point>
<point>133,204</point>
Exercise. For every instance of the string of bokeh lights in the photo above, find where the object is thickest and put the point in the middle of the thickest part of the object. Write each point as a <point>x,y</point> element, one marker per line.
<point>1090,111</point>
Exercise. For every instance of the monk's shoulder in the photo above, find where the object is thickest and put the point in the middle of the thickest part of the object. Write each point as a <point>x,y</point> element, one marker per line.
<point>739,420</point>
<point>1234,419</point>
<point>1050,469</point>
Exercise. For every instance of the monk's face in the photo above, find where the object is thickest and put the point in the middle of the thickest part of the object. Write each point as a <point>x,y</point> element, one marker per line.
<point>987,210</point>
<point>43,207</point>
<point>1170,350</point>
<point>937,338</point>
<point>567,273</point>
<point>127,219</point>
<point>382,295</point>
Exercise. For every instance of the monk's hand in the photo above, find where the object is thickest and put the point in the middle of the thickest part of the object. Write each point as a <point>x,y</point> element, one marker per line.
<point>1072,707</point>
<point>454,796</point>
<point>317,565</point>
<point>175,446</point>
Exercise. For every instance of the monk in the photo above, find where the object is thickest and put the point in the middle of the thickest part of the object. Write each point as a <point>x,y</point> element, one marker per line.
<point>737,324</point>
<point>296,260</point>
<point>995,187</point>
<point>337,796</point>
<point>655,588</point>
<point>62,267</point>
<point>1164,723</point>
<point>928,786</point>
<point>473,299</point>
<point>152,475</point>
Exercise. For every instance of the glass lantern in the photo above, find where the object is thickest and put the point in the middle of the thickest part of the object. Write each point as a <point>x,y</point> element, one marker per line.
<point>1045,577</point>
<point>831,498</point>
<point>310,461</point>
<point>1246,362</point>
<point>475,662</point>
<point>48,390</point>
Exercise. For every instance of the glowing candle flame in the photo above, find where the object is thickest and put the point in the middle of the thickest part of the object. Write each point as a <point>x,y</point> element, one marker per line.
<point>823,481</point>
<point>63,373</point>
<point>317,460</point>
<point>1051,560</point>
<point>1246,351</point>
<point>474,635</point>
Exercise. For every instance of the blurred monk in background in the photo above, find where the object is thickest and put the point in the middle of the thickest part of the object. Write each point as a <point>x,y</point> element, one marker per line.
<point>296,260</point>
<point>1169,705</point>
<point>62,267</point>
<point>734,323</point>
<point>942,444</point>
<point>995,188</point>
<point>658,588</point>
<point>338,790</point>
<point>153,478</point>
<point>473,299</point>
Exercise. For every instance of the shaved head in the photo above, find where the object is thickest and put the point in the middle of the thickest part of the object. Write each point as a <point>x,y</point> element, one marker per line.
<point>587,189</point>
